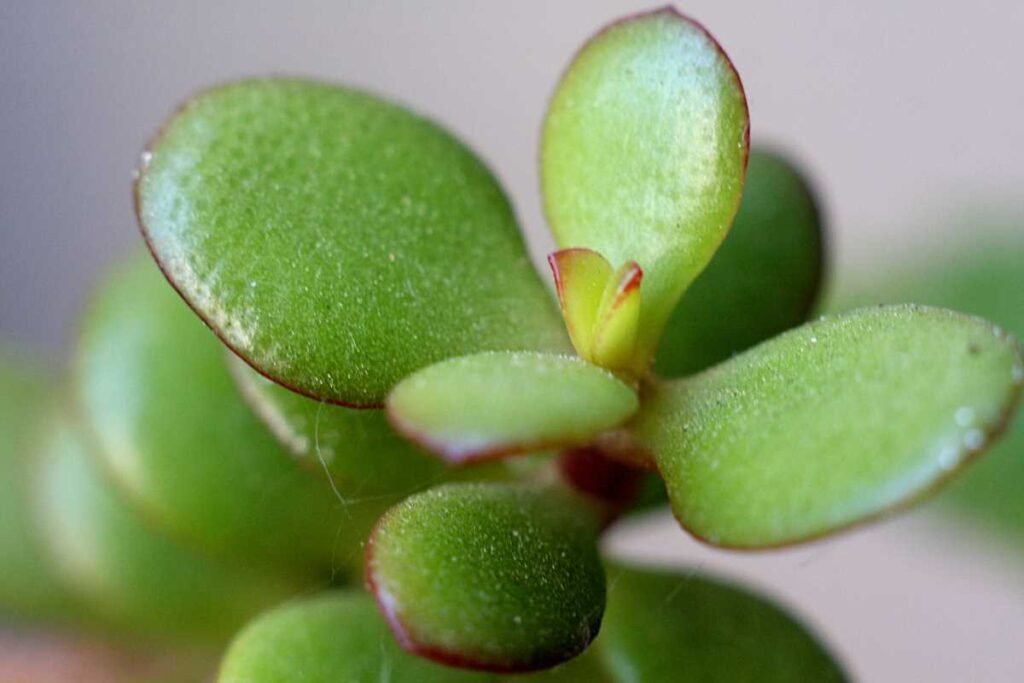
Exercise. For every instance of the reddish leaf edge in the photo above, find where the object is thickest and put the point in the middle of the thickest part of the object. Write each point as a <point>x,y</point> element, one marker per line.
<point>388,606</point>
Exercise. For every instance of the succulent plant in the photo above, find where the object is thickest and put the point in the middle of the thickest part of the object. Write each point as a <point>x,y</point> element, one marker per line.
<point>406,402</point>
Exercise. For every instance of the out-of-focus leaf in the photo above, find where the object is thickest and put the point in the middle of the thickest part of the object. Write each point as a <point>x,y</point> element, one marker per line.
<point>489,576</point>
<point>983,278</point>
<point>358,449</point>
<point>831,423</point>
<point>762,281</point>
<point>643,154</point>
<point>172,429</point>
<point>29,587</point>
<point>663,627</point>
<point>332,638</point>
<point>336,241</point>
<point>494,404</point>
<point>143,583</point>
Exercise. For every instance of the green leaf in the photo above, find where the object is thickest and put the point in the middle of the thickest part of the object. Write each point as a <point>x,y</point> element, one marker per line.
<point>831,423</point>
<point>643,154</point>
<point>601,307</point>
<point>174,432</point>
<point>495,404</point>
<point>29,588</point>
<point>141,582</point>
<point>663,627</point>
<point>762,281</point>
<point>489,576</point>
<point>335,241</point>
<point>983,277</point>
<point>329,638</point>
<point>357,449</point>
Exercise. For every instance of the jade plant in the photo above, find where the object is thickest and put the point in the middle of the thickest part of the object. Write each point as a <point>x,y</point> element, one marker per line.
<point>413,422</point>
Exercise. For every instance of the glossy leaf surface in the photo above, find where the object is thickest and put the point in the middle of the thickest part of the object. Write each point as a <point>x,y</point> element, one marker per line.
<point>762,281</point>
<point>141,582</point>
<point>643,154</point>
<point>663,627</point>
<point>831,423</point>
<point>174,432</point>
<point>489,576</point>
<point>330,638</point>
<point>494,404</point>
<point>984,278</point>
<point>29,587</point>
<point>336,241</point>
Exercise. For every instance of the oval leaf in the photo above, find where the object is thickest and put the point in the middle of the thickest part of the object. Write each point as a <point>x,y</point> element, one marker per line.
<point>763,280</point>
<point>984,278</point>
<point>643,154</point>
<point>29,587</point>
<point>663,627</point>
<point>327,639</point>
<point>140,582</point>
<point>489,576</point>
<point>173,431</point>
<point>831,423</point>
<point>335,241</point>
<point>495,404</point>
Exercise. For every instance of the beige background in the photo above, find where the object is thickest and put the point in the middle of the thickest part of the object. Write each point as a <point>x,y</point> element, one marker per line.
<point>907,113</point>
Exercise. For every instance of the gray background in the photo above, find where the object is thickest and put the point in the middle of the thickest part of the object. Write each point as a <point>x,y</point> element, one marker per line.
<point>908,114</point>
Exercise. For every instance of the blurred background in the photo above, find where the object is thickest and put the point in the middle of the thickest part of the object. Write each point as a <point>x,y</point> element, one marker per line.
<point>906,115</point>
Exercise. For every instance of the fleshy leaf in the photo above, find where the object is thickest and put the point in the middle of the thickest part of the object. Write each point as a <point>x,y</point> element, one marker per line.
<point>762,281</point>
<point>495,404</point>
<point>335,241</point>
<point>174,432</point>
<point>357,449</point>
<point>489,576</point>
<point>139,581</point>
<point>830,424</point>
<point>618,320</point>
<point>581,277</point>
<point>329,638</point>
<point>29,588</point>
<point>663,627</point>
<point>643,154</point>
<point>984,278</point>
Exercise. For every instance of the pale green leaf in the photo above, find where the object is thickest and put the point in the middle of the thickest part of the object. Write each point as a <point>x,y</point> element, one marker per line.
<point>830,424</point>
<point>140,582</point>
<point>762,281</point>
<point>495,404</point>
<point>643,154</point>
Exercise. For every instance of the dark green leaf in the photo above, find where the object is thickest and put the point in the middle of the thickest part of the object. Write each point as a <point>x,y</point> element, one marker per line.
<point>643,154</point>
<point>332,638</point>
<point>495,404</point>
<point>831,423</point>
<point>663,627</point>
<point>173,431</point>
<point>335,241</point>
<point>489,576</point>
<point>763,280</point>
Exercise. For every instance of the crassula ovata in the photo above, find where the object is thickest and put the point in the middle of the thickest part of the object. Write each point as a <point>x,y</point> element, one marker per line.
<point>408,402</point>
